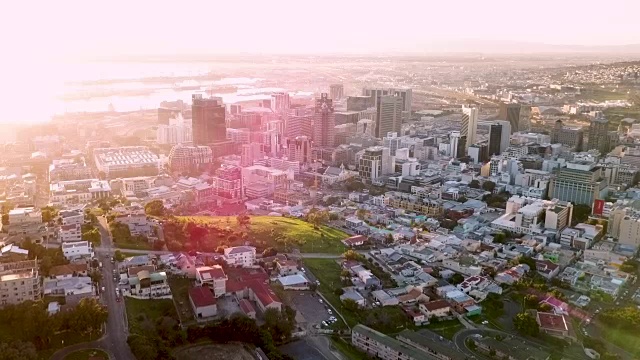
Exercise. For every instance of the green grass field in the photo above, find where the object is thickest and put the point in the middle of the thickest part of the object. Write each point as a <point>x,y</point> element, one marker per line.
<point>133,245</point>
<point>86,354</point>
<point>180,290</point>
<point>142,312</point>
<point>446,328</point>
<point>625,339</point>
<point>265,231</point>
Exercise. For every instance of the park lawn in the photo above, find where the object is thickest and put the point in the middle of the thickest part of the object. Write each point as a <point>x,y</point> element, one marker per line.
<point>263,231</point>
<point>134,245</point>
<point>86,354</point>
<point>140,311</point>
<point>180,291</point>
<point>625,339</point>
<point>446,328</point>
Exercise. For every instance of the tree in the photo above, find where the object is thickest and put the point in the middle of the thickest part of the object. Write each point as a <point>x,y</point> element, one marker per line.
<point>499,238</point>
<point>462,199</point>
<point>280,324</point>
<point>475,184</point>
<point>352,255</point>
<point>243,220</point>
<point>318,217</point>
<point>488,186</point>
<point>456,279</point>
<point>528,261</point>
<point>338,291</point>
<point>350,305</point>
<point>118,255</point>
<point>531,301</point>
<point>93,236</point>
<point>48,214</point>
<point>581,213</point>
<point>18,350</point>
<point>154,208</point>
<point>268,252</point>
<point>96,276</point>
<point>345,274</point>
<point>526,324</point>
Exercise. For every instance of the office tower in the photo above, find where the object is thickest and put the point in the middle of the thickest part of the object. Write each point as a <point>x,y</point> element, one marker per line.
<point>299,149</point>
<point>366,127</point>
<point>469,125</point>
<point>479,153</point>
<point>323,122</point>
<point>227,184</point>
<point>579,183</point>
<point>375,162</point>
<point>375,94</point>
<point>298,126</point>
<point>208,120</point>
<point>571,137</point>
<point>392,141</point>
<point>524,122</point>
<point>183,158</point>
<point>359,103</point>
<point>347,117</point>
<point>407,98</point>
<point>250,153</point>
<point>280,102</point>
<point>336,91</point>
<point>165,114</point>
<point>511,113</point>
<point>454,141</point>
<point>389,115</point>
<point>599,136</point>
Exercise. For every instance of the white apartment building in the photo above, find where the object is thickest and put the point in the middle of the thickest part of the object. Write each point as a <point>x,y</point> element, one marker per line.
<point>76,250</point>
<point>126,161</point>
<point>69,233</point>
<point>178,131</point>
<point>244,256</point>
<point>148,284</point>
<point>71,217</point>
<point>78,191</point>
<point>19,282</point>
<point>261,181</point>
<point>533,216</point>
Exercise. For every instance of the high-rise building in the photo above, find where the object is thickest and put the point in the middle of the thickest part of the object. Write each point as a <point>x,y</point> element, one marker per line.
<point>479,152</point>
<point>624,222</point>
<point>393,142</point>
<point>250,153</point>
<point>571,137</point>
<point>579,183</point>
<point>324,122</point>
<point>389,115</point>
<point>511,113</point>
<point>375,162</point>
<point>336,91</point>
<point>499,133</point>
<point>469,125</point>
<point>299,149</point>
<point>599,136</point>
<point>375,94</point>
<point>454,144</point>
<point>227,183</point>
<point>366,127</point>
<point>280,102</point>
<point>524,123</point>
<point>298,126</point>
<point>208,120</point>
<point>19,282</point>
<point>359,103</point>
<point>347,117</point>
<point>183,157</point>
<point>407,98</point>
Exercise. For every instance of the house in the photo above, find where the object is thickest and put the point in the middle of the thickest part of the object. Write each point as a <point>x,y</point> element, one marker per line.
<point>366,277</point>
<point>553,324</point>
<point>353,222</point>
<point>212,277</point>
<point>511,275</point>
<point>135,261</point>
<point>286,267</point>
<point>384,298</point>
<point>73,289</point>
<point>67,271</point>
<point>438,309</point>
<point>559,307</point>
<point>416,316</point>
<point>203,302</point>
<point>264,297</point>
<point>247,308</point>
<point>353,294</point>
<point>71,217</point>
<point>71,232</point>
<point>294,282</point>
<point>147,284</point>
<point>354,241</point>
<point>74,250</point>
<point>547,269</point>
<point>242,256</point>
<point>459,300</point>
<point>137,222</point>
<point>413,296</point>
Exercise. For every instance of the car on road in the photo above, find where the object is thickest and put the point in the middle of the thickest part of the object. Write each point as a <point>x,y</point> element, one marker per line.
<point>485,322</point>
<point>320,300</point>
<point>329,311</point>
<point>324,323</point>
<point>102,289</point>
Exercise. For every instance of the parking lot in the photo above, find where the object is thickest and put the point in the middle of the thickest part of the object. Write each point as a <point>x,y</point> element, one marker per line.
<point>227,305</point>
<point>309,306</point>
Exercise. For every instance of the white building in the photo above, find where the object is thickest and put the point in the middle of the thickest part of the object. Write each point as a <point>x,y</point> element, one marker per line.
<point>69,233</point>
<point>469,125</point>
<point>178,131</point>
<point>244,256</point>
<point>147,284</point>
<point>126,161</point>
<point>212,277</point>
<point>77,249</point>
<point>78,191</point>
<point>71,217</point>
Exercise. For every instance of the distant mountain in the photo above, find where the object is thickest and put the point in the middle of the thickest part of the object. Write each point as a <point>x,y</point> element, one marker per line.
<point>513,47</point>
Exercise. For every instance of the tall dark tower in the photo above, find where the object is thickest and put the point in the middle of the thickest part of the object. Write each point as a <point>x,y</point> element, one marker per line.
<point>511,113</point>
<point>324,122</point>
<point>495,139</point>
<point>599,136</point>
<point>208,120</point>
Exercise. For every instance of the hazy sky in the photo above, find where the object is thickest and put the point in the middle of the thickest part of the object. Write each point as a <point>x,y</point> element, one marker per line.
<point>87,28</point>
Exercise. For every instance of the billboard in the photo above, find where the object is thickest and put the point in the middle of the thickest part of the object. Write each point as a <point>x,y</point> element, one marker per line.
<point>598,207</point>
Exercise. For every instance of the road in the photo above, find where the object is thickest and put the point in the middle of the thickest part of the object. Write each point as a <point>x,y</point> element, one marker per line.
<point>114,341</point>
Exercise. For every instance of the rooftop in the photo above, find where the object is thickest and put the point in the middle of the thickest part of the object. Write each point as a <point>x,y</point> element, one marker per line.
<point>201,296</point>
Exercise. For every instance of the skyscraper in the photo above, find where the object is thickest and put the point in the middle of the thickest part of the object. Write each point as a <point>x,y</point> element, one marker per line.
<point>375,94</point>
<point>524,123</point>
<point>599,136</point>
<point>208,120</point>
<point>407,98</point>
<point>571,137</point>
<point>336,91</point>
<point>579,183</point>
<point>389,115</point>
<point>298,126</point>
<point>454,140</point>
<point>280,102</point>
<point>499,132</point>
<point>511,113</point>
<point>469,125</point>
<point>323,122</point>
<point>375,162</point>
<point>299,149</point>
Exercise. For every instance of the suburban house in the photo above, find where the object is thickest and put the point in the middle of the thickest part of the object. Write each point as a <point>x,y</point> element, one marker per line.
<point>354,241</point>
<point>553,324</point>
<point>547,269</point>
<point>384,298</point>
<point>413,296</point>
<point>137,223</point>
<point>67,271</point>
<point>73,288</point>
<point>74,250</point>
<point>135,261</point>
<point>416,316</point>
<point>148,284</point>
<point>203,302</point>
<point>212,277</point>
<point>353,294</point>
<point>438,309</point>
<point>251,285</point>
<point>559,306</point>
<point>243,256</point>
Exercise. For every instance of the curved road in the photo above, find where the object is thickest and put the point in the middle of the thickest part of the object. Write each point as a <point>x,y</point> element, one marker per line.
<point>114,341</point>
